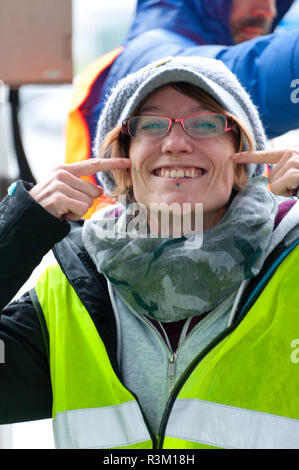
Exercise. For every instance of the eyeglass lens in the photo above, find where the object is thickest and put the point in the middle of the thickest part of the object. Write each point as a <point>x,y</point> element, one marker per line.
<point>200,125</point>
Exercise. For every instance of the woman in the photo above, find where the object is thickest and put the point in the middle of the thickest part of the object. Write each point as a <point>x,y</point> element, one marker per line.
<point>152,340</point>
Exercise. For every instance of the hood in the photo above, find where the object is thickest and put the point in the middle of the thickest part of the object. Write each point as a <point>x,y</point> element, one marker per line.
<point>202,21</point>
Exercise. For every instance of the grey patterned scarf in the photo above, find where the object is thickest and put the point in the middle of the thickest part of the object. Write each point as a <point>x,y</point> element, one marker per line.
<point>162,279</point>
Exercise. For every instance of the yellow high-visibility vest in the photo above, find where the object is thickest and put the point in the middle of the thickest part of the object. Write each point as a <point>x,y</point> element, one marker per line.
<point>241,392</point>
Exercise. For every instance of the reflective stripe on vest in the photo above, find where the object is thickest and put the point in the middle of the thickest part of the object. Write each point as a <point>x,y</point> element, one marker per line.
<point>225,426</point>
<point>100,428</point>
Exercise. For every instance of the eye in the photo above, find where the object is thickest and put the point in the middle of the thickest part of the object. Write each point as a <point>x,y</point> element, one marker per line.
<point>152,126</point>
<point>204,126</point>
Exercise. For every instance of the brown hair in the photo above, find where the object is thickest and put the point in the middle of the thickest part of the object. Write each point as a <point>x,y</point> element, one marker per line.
<point>118,144</point>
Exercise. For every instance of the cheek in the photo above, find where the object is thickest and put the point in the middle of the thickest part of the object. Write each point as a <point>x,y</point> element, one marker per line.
<point>221,154</point>
<point>222,176</point>
<point>135,152</point>
<point>138,152</point>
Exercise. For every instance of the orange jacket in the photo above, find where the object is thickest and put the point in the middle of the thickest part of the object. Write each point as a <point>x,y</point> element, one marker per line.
<point>78,135</point>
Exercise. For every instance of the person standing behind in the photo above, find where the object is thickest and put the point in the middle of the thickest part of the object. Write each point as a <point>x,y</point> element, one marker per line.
<point>250,19</point>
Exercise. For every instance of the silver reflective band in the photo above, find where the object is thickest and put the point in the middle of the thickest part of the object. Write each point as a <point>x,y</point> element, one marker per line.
<point>226,426</point>
<point>99,428</point>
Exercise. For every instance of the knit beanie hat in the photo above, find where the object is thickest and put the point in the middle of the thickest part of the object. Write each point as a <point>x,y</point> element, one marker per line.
<point>211,75</point>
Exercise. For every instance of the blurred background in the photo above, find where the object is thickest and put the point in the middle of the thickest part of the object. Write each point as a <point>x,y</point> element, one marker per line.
<point>98,26</point>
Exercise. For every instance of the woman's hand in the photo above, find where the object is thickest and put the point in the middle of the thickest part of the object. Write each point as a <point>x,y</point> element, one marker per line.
<point>66,195</point>
<point>284,176</point>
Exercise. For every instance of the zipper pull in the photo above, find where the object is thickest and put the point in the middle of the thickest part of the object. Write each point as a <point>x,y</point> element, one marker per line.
<point>171,370</point>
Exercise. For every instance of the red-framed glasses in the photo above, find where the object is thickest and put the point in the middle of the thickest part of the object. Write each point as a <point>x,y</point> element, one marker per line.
<point>200,125</point>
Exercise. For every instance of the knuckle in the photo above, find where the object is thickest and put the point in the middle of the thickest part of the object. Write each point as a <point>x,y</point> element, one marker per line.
<point>61,166</point>
<point>57,189</point>
<point>89,202</point>
<point>60,173</point>
<point>293,173</point>
<point>292,152</point>
<point>57,199</point>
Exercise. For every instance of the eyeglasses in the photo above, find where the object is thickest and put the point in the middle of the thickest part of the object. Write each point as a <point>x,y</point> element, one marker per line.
<point>201,125</point>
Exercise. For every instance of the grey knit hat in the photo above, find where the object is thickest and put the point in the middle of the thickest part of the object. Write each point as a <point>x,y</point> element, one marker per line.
<point>211,75</point>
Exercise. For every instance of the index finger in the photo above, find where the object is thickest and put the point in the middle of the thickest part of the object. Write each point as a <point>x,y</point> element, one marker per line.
<point>94,165</point>
<point>259,156</point>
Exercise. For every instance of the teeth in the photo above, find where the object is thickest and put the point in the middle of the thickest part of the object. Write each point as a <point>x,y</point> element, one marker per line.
<point>179,173</point>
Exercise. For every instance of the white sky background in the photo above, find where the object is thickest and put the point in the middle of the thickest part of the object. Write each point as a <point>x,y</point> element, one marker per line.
<point>43,139</point>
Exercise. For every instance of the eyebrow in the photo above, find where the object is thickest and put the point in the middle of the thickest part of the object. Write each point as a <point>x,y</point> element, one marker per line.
<point>147,109</point>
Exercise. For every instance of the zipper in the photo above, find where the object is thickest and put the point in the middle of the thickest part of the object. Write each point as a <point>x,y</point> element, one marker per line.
<point>174,355</point>
<point>242,313</point>
<point>171,371</point>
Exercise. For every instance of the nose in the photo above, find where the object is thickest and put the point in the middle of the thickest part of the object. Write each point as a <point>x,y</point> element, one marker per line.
<point>176,142</point>
<point>265,8</point>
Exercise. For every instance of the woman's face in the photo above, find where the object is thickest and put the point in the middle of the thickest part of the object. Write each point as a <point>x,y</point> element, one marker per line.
<point>208,160</point>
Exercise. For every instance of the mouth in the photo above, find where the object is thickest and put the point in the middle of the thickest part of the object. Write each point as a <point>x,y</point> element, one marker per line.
<point>179,172</point>
<point>253,31</point>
